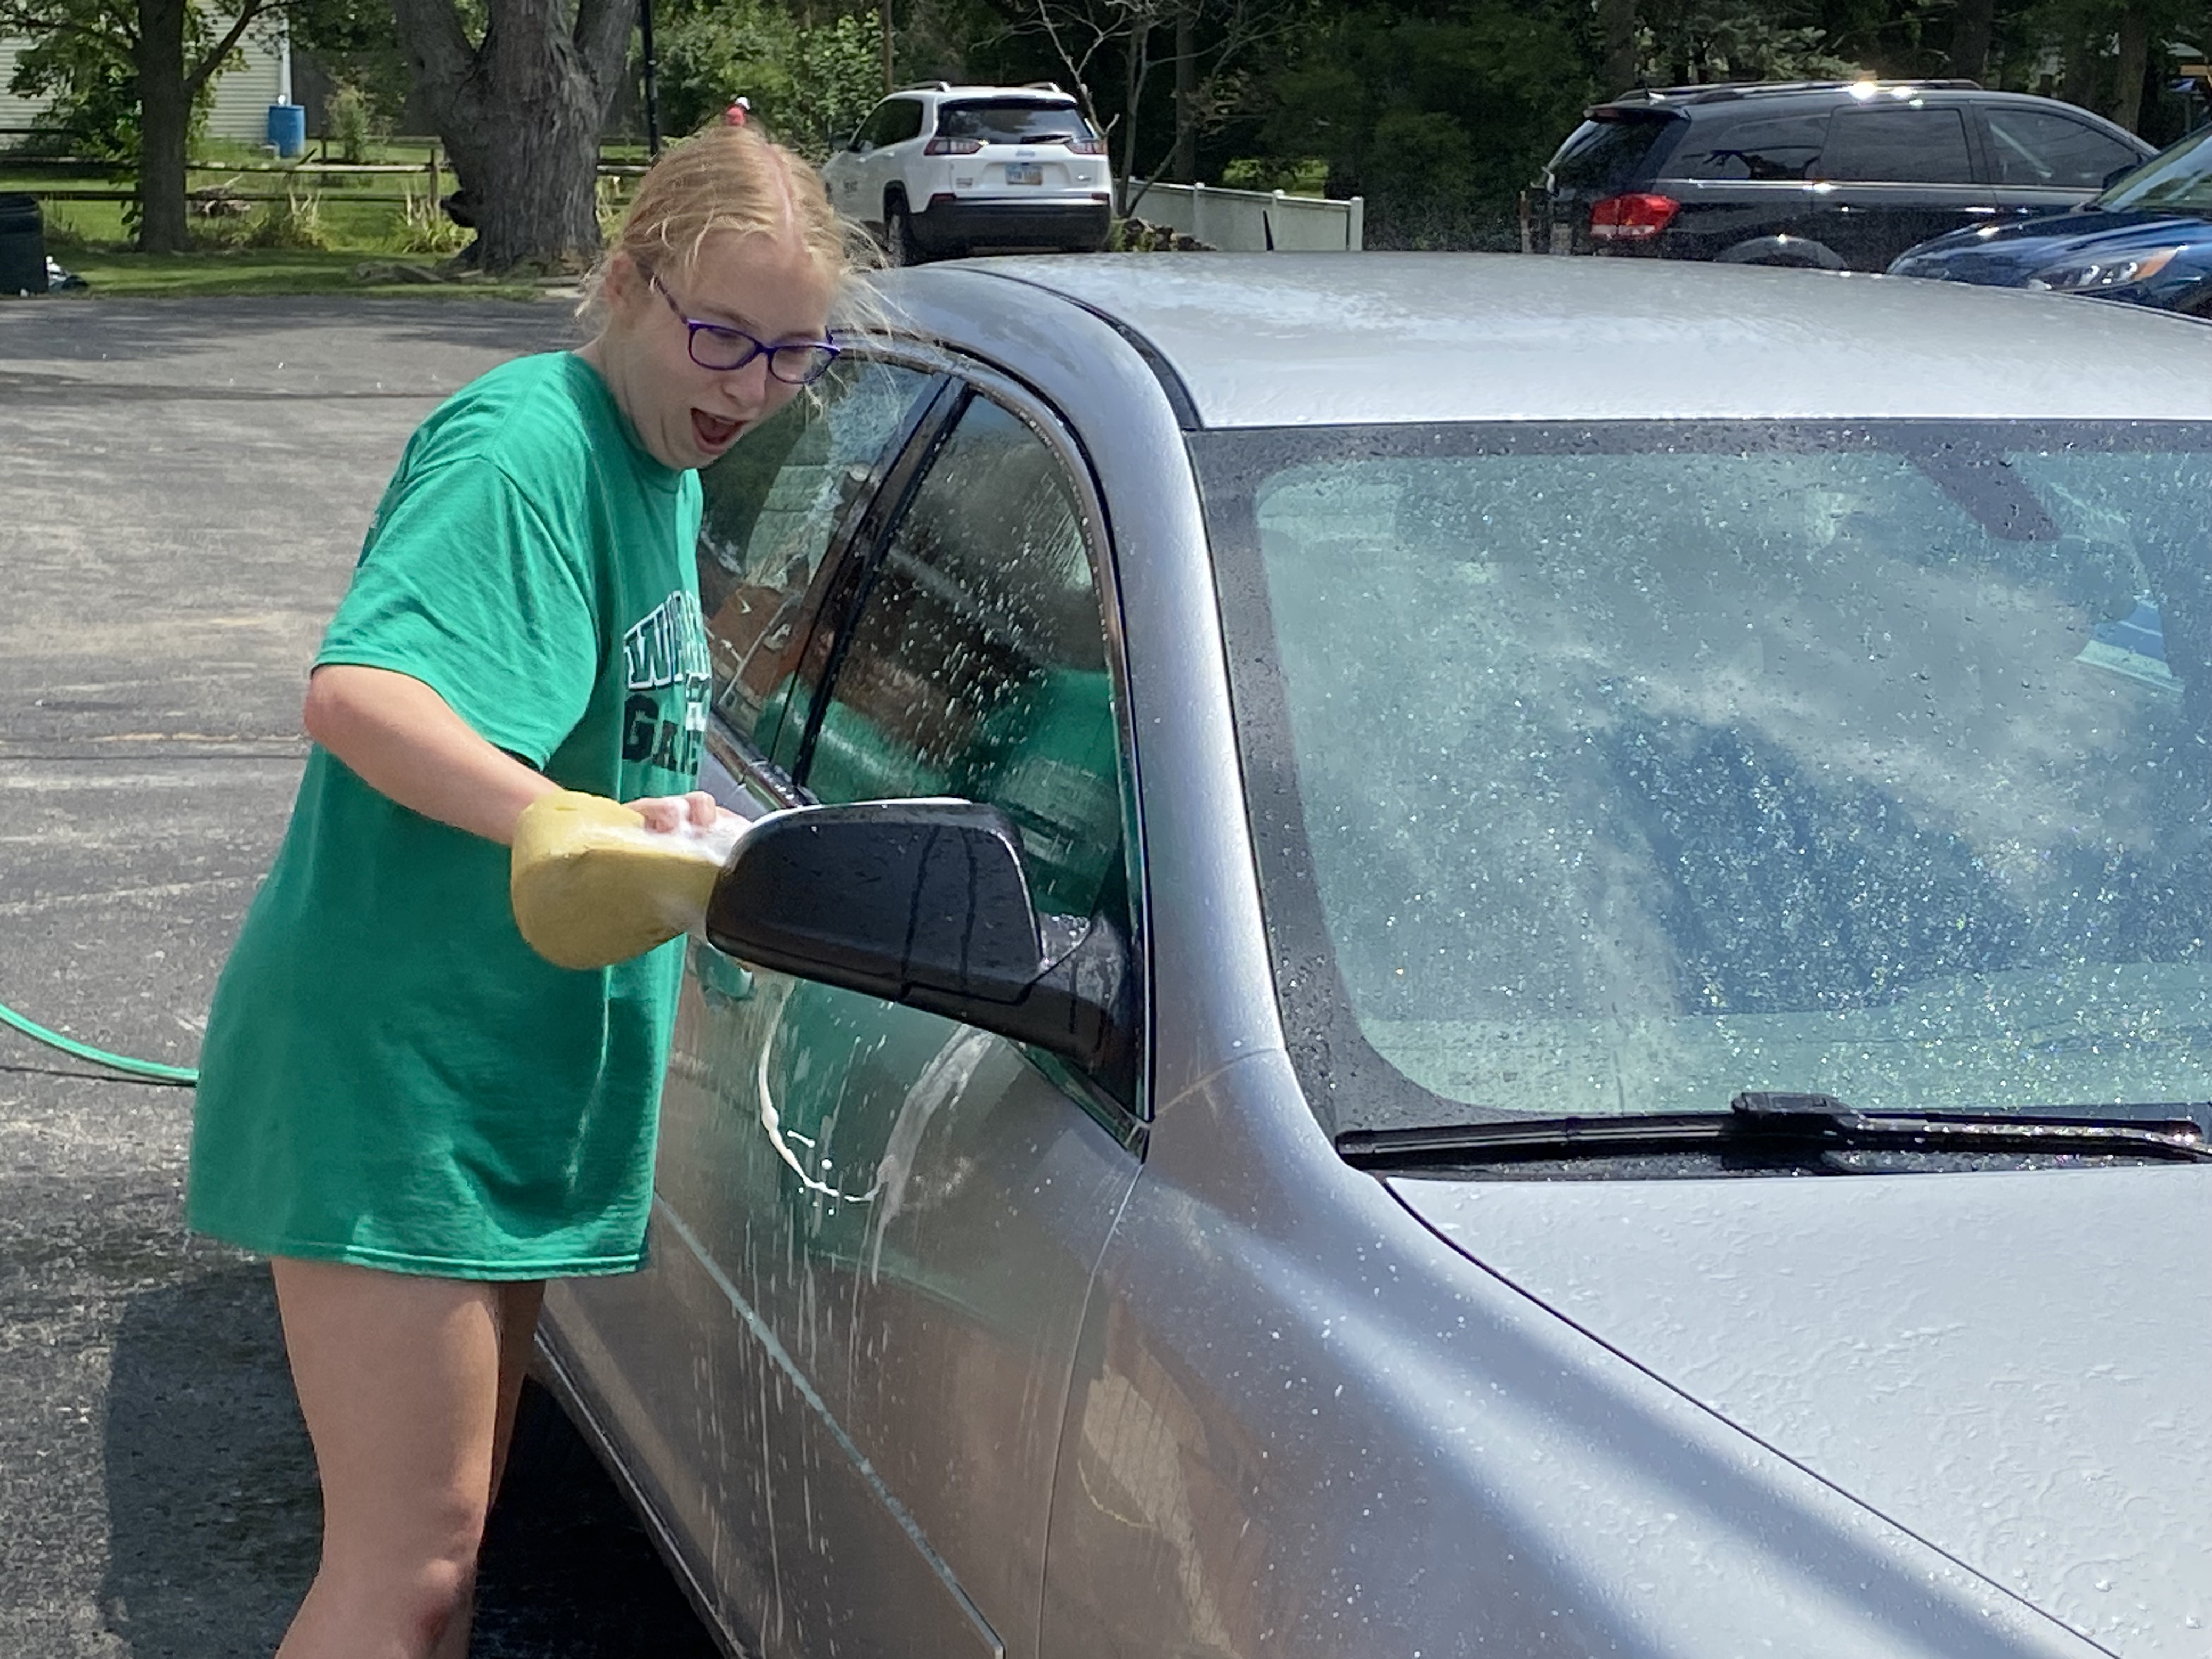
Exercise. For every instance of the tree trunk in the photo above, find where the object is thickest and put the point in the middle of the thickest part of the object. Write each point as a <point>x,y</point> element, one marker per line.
<point>1971,28</point>
<point>1616,22</point>
<point>520,117</point>
<point>1185,166</point>
<point>2134,62</point>
<point>165,113</point>
<point>2078,86</point>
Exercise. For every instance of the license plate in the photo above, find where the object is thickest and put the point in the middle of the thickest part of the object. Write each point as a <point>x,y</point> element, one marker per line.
<point>1025,173</point>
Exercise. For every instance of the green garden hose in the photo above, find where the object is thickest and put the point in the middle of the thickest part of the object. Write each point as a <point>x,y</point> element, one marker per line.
<point>152,1070</point>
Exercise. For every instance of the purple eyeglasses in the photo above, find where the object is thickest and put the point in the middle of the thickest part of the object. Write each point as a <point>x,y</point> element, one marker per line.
<point>721,348</point>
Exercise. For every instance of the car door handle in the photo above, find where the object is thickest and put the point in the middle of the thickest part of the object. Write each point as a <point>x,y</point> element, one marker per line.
<point>721,979</point>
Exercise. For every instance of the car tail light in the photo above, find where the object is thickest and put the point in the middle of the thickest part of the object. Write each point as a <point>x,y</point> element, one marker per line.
<point>952,147</point>
<point>1633,218</point>
<point>1087,146</point>
<point>942,197</point>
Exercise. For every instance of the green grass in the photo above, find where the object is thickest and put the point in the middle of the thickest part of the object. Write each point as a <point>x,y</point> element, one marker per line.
<point>89,237</point>
<point>119,274</point>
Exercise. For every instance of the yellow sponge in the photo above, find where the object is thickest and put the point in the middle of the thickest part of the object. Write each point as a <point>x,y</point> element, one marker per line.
<point>593,885</point>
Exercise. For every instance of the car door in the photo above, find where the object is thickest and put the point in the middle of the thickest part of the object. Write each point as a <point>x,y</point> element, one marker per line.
<point>847,172</point>
<point>903,1213</point>
<point>885,166</point>
<point>2046,161</point>
<point>1892,175</point>
<point>651,1355</point>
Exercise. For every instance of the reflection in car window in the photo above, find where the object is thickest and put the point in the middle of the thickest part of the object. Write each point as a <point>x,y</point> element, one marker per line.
<point>2035,147</point>
<point>2179,177</point>
<point>1871,764</point>
<point>1612,155</point>
<point>1899,146</point>
<point>773,505</point>
<point>1013,121</point>
<point>1776,147</point>
<point>977,667</point>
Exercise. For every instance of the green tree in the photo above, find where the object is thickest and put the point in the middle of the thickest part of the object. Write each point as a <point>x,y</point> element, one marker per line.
<point>808,83</point>
<point>1438,117</point>
<point>159,54</point>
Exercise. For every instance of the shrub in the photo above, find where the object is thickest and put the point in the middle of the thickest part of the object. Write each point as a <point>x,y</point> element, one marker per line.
<point>295,222</point>
<point>423,227</point>
<point>1298,175</point>
<point>347,124</point>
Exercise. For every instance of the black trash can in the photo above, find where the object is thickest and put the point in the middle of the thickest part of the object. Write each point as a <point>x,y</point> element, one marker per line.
<point>22,247</point>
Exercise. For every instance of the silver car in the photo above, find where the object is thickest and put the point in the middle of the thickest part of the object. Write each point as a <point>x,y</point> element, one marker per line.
<point>1459,956</point>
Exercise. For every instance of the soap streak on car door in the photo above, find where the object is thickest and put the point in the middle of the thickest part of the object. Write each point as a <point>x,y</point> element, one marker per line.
<point>673,1360</point>
<point>908,1209</point>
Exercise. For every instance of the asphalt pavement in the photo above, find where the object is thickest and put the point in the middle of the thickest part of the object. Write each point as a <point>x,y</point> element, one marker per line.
<point>183,489</point>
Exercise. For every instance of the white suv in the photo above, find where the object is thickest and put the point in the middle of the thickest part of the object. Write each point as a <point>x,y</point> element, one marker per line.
<point>944,169</point>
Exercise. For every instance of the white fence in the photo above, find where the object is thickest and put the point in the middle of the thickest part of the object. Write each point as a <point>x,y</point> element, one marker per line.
<point>1250,221</point>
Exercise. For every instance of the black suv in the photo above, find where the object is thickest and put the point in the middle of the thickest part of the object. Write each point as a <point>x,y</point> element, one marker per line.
<point>1837,174</point>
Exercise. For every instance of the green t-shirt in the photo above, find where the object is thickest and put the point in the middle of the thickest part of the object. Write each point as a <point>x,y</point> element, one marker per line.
<point>390,1076</point>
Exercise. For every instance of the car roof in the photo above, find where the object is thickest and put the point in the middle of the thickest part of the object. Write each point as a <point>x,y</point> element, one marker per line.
<point>1288,339</point>
<point>942,92</point>
<point>1704,97</point>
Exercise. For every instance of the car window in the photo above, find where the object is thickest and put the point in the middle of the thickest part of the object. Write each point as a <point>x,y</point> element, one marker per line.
<point>773,504</point>
<point>1897,146</point>
<point>977,666</point>
<point>1013,121</point>
<point>2037,146</point>
<point>904,119</point>
<point>1774,147</point>
<point>1612,155</point>
<point>875,130</point>
<point>2179,179</point>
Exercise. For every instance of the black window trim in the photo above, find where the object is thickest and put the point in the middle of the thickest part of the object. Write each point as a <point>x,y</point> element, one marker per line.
<point>841,587</point>
<point>747,756</point>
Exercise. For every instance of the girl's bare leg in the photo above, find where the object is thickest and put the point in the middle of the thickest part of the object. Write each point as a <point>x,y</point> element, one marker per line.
<point>518,1305</point>
<point>407,1385</point>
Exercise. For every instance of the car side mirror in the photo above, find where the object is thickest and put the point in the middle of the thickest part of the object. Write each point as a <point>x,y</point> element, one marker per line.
<point>927,903</point>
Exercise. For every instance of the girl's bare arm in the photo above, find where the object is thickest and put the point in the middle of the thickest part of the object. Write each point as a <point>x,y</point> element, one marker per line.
<point>404,741</point>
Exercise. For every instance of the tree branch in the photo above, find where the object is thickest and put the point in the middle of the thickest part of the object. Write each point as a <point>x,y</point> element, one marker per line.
<point>438,49</point>
<point>602,30</point>
<point>248,17</point>
<point>29,21</point>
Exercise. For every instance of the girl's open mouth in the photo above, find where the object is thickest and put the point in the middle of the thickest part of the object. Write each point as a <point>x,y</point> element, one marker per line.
<point>713,432</point>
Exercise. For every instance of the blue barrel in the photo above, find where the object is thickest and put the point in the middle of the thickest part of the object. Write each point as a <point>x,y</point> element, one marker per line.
<point>287,129</point>
<point>23,246</point>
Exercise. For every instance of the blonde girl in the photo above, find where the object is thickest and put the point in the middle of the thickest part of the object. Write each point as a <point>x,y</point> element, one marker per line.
<point>416,1119</point>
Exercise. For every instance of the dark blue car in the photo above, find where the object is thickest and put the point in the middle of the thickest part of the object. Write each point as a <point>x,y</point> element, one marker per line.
<point>2146,240</point>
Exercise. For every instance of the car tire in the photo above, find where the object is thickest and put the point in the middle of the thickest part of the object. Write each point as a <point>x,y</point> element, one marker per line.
<point>898,235</point>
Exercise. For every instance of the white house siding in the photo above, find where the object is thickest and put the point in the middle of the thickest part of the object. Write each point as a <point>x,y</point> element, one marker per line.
<point>242,97</point>
<point>14,112</point>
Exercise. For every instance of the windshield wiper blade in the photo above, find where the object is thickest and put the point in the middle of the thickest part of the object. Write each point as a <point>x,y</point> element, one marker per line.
<point>1770,1124</point>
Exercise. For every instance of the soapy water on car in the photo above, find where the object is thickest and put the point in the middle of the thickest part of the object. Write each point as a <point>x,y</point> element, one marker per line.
<point>591,883</point>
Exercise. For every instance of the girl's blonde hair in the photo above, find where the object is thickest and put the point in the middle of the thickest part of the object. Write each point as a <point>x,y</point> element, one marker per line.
<point>733,179</point>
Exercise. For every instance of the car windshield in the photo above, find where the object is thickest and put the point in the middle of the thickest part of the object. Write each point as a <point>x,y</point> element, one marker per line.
<point>1013,121</point>
<point>1622,768</point>
<point>2179,178</point>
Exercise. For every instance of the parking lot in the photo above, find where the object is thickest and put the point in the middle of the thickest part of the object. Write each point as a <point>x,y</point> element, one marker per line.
<point>186,489</point>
